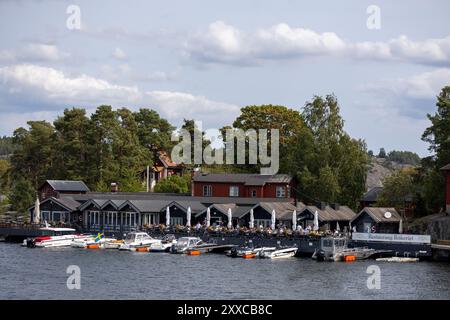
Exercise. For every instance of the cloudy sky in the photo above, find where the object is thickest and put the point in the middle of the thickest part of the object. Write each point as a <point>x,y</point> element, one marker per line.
<point>205,60</point>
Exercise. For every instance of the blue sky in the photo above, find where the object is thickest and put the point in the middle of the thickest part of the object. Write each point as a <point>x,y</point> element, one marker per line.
<point>205,60</point>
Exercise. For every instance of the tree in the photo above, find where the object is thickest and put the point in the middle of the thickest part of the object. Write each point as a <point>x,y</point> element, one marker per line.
<point>174,184</point>
<point>398,188</point>
<point>71,145</point>
<point>370,153</point>
<point>404,157</point>
<point>153,131</point>
<point>331,166</point>
<point>438,136</point>
<point>382,153</point>
<point>22,195</point>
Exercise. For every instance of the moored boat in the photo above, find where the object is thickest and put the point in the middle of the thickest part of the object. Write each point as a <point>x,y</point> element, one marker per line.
<point>164,244</point>
<point>135,240</point>
<point>278,253</point>
<point>185,244</point>
<point>57,237</point>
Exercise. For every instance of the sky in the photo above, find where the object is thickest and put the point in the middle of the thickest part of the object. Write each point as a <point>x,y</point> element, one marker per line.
<point>205,60</point>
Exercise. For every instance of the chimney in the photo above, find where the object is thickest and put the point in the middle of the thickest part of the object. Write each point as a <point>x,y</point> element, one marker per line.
<point>335,206</point>
<point>114,187</point>
<point>321,205</point>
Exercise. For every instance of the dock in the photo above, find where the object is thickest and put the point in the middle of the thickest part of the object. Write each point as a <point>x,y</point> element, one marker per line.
<point>441,250</point>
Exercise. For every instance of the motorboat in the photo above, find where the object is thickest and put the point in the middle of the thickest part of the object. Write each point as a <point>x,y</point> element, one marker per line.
<point>113,244</point>
<point>185,244</point>
<point>55,237</point>
<point>336,249</point>
<point>164,244</point>
<point>92,242</point>
<point>248,251</point>
<point>135,241</point>
<point>278,253</point>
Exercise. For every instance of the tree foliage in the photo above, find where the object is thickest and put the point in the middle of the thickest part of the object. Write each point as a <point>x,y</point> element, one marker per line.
<point>404,157</point>
<point>398,188</point>
<point>174,184</point>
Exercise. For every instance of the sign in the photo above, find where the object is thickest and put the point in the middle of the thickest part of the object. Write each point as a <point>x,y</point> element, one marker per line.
<point>391,237</point>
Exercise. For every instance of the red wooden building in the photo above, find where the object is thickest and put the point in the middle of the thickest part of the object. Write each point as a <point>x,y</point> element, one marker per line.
<point>242,185</point>
<point>446,170</point>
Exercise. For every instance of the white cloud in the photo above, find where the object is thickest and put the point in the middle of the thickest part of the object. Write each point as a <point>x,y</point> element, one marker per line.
<point>31,91</point>
<point>222,43</point>
<point>33,52</point>
<point>421,86</point>
<point>119,54</point>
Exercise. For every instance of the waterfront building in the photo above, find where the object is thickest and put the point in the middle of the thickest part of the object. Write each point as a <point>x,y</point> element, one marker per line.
<point>242,185</point>
<point>370,198</point>
<point>329,215</point>
<point>377,220</point>
<point>55,188</point>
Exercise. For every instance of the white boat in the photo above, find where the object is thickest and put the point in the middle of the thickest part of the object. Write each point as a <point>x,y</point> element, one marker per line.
<point>185,244</point>
<point>248,251</point>
<point>278,253</point>
<point>398,259</point>
<point>57,237</point>
<point>113,244</point>
<point>135,240</point>
<point>93,240</point>
<point>164,244</point>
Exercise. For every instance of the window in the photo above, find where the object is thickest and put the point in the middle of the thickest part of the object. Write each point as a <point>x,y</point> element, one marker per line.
<point>234,191</point>
<point>263,222</point>
<point>207,191</point>
<point>281,192</point>
<point>176,221</point>
<point>253,193</point>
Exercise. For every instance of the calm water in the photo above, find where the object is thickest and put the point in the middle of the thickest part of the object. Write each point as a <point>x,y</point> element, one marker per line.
<point>110,274</point>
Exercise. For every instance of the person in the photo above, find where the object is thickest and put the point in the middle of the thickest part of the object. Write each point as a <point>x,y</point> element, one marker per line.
<point>198,226</point>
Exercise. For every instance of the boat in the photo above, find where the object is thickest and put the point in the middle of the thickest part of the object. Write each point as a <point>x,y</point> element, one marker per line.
<point>135,240</point>
<point>57,237</point>
<point>164,244</point>
<point>113,244</point>
<point>91,242</point>
<point>278,253</point>
<point>398,259</point>
<point>185,244</point>
<point>248,251</point>
<point>335,249</point>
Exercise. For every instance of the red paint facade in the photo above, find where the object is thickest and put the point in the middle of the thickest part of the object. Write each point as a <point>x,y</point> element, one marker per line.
<point>219,189</point>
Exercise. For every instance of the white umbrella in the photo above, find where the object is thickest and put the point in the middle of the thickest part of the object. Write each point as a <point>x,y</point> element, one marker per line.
<point>294,220</point>
<point>188,218</point>
<point>37,212</point>
<point>337,227</point>
<point>167,216</point>
<point>252,219</point>
<point>208,218</point>
<point>272,226</point>
<point>316,221</point>
<point>230,222</point>
<point>400,226</point>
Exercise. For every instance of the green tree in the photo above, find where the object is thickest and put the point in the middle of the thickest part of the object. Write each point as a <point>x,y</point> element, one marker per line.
<point>397,189</point>
<point>382,153</point>
<point>71,145</point>
<point>438,136</point>
<point>404,157</point>
<point>174,184</point>
<point>22,195</point>
<point>153,131</point>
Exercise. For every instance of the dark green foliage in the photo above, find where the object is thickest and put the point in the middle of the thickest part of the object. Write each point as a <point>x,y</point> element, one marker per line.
<point>174,184</point>
<point>404,157</point>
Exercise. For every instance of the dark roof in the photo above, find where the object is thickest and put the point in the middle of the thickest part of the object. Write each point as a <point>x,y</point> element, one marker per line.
<point>68,185</point>
<point>377,214</point>
<point>67,203</point>
<point>283,210</point>
<point>344,213</point>
<point>248,179</point>
<point>447,167</point>
<point>372,194</point>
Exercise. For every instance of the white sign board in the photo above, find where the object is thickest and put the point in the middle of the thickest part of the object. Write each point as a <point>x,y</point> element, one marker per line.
<point>390,237</point>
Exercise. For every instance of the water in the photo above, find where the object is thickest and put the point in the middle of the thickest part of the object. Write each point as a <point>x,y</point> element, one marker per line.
<point>111,274</point>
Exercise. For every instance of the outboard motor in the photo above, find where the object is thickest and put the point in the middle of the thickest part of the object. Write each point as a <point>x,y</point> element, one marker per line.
<point>320,255</point>
<point>31,243</point>
<point>234,252</point>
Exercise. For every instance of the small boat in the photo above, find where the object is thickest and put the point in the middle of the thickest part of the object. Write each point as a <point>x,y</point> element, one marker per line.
<point>279,253</point>
<point>57,237</point>
<point>113,244</point>
<point>164,244</point>
<point>135,240</point>
<point>189,243</point>
<point>91,242</point>
<point>398,259</point>
<point>248,251</point>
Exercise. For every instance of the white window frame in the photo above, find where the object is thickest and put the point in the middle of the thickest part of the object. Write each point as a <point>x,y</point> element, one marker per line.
<point>207,190</point>
<point>234,194</point>
<point>281,192</point>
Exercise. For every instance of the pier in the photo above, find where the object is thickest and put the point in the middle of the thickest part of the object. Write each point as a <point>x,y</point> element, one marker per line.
<point>441,250</point>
